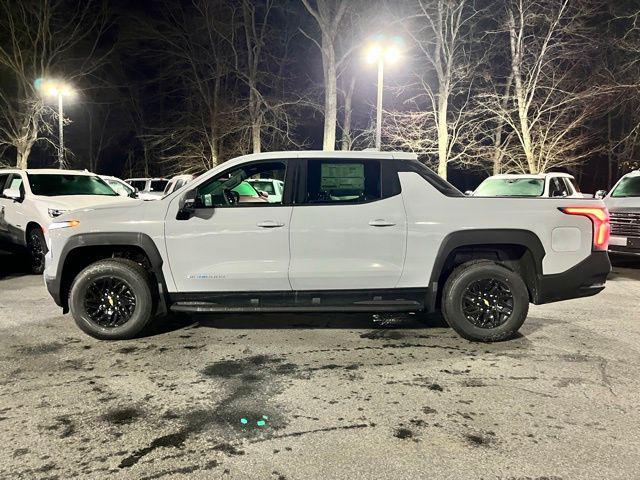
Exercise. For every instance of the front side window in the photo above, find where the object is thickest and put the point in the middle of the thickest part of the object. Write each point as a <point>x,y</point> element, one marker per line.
<point>510,187</point>
<point>53,185</point>
<point>331,181</point>
<point>3,181</point>
<point>237,187</point>
<point>628,187</point>
<point>120,188</point>
<point>558,188</point>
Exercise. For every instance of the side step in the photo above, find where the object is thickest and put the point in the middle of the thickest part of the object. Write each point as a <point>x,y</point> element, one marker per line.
<point>363,306</point>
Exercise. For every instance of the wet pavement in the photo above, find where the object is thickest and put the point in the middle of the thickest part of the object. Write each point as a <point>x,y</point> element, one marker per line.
<point>321,396</point>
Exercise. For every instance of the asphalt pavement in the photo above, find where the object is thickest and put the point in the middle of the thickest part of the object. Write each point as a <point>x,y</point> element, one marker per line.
<point>298,396</point>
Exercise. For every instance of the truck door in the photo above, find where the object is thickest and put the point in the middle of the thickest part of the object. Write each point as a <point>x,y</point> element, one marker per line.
<point>348,226</point>
<point>236,241</point>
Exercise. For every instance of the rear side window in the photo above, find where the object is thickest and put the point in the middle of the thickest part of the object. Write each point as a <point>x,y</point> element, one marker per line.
<point>158,185</point>
<point>349,181</point>
<point>139,185</point>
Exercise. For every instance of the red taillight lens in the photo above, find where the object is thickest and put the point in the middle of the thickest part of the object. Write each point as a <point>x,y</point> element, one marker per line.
<point>599,216</point>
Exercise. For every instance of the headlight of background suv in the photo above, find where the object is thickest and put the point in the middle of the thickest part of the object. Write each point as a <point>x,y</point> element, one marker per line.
<point>65,224</point>
<point>55,212</point>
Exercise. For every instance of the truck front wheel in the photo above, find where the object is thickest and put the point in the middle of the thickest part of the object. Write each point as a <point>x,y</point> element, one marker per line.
<point>484,301</point>
<point>112,299</point>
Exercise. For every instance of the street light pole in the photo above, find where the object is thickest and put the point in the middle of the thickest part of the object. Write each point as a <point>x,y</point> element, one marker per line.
<point>381,51</point>
<point>61,132</point>
<point>57,89</point>
<point>379,104</point>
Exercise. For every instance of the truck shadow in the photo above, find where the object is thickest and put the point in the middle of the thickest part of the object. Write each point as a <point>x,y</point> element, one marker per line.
<point>624,267</point>
<point>275,321</point>
<point>13,264</point>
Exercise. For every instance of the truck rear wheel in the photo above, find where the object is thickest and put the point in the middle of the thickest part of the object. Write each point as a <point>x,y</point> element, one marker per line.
<point>484,301</point>
<point>112,299</point>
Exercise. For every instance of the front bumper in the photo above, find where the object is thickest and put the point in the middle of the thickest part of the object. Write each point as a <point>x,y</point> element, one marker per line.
<point>625,245</point>
<point>585,279</point>
<point>53,286</point>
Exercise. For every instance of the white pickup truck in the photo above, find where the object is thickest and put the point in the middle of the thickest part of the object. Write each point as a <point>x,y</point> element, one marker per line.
<point>353,232</point>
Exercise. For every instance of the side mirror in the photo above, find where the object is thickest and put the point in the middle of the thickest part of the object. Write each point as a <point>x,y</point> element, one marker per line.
<point>600,194</point>
<point>187,205</point>
<point>12,193</point>
<point>469,193</point>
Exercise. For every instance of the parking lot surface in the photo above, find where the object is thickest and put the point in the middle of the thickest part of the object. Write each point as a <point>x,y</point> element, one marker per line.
<point>321,396</point>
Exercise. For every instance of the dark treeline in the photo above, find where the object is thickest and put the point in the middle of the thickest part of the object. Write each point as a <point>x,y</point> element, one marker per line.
<point>180,86</point>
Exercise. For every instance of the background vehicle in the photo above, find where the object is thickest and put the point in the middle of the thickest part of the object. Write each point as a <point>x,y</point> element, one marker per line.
<point>119,186</point>
<point>272,187</point>
<point>177,183</point>
<point>148,188</point>
<point>542,185</point>
<point>623,202</point>
<point>31,199</point>
<point>355,231</point>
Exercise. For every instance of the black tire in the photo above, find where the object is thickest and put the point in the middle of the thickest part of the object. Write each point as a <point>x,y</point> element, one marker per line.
<point>36,249</point>
<point>118,271</point>
<point>464,282</point>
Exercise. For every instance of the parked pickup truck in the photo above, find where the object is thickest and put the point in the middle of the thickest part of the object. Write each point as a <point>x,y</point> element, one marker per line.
<point>353,232</point>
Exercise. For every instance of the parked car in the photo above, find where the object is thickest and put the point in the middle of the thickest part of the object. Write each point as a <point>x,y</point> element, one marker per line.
<point>120,186</point>
<point>542,185</point>
<point>32,199</point>
<point>177,183</point>
<point>272,187</point>
<point>623,202</point>
<point>351,235</point>
<point>148,188</point>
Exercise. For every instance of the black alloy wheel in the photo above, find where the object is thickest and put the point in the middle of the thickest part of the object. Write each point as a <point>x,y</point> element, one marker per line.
<point>109,302</point>
<point>37,249</point>
<point>487,303</point>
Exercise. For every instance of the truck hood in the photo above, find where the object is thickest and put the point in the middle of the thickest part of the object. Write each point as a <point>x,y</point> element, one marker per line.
<point>77,202</point>
<point>622,203</point>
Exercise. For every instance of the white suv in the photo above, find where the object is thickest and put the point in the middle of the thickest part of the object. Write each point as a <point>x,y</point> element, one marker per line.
<point>148,188</point>
<point>31,199</point>
<point>546,185</point>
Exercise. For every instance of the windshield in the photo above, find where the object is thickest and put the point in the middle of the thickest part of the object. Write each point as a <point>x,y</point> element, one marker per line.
<point>510,187</point>
<point>120,188</point>
<point>53,185</point>
<point>628,187</point>
<point>266,187</point>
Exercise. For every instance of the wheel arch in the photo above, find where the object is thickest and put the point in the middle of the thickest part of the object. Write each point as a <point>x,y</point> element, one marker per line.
<point>519,250</point>
<point>83,249</point>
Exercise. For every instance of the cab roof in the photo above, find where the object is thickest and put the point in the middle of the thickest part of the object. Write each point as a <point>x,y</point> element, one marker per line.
<point>49,171</point>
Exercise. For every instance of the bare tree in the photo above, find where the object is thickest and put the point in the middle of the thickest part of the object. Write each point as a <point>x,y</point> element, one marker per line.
<point>550,105</point>
<point>39,39</point>
<point>434,125</point>
<point>329,14</point>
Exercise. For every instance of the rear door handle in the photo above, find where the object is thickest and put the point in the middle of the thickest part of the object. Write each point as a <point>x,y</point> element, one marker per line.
<point>270,224</point>
<point>380,222</point>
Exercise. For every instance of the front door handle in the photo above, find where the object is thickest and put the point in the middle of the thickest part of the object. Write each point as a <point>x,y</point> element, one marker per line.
<point>270,224</point>
<point>380,222</point>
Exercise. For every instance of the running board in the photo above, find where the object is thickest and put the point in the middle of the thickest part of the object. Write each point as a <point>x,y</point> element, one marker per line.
<point>194,307</point>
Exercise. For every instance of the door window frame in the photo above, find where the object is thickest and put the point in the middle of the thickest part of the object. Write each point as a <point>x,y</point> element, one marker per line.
<point>389,180</point>
<point>290,179</point>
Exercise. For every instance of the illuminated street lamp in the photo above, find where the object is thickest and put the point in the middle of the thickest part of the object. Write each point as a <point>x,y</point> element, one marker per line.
<point>382,50</point>
<point>59,90</point>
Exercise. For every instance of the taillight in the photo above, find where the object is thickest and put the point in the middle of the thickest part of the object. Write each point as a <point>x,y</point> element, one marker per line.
<point>599,216</point>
